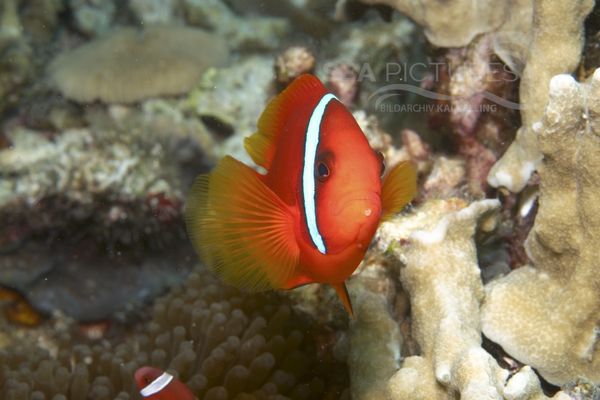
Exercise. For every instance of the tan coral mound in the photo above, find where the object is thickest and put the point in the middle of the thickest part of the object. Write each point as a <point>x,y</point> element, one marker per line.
<point>435,252</point>
<point>548,314</point>
<point>128,65</point>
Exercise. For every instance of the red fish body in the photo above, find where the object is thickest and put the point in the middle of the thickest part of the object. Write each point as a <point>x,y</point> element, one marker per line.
<point>311,217</point>
<point>155,384</point>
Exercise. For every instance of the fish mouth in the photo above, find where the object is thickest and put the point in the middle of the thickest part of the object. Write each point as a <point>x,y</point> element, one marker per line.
<point>366,204</point>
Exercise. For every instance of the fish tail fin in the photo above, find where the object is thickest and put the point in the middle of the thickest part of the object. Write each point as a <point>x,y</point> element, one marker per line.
<point>241,229</point>
<point>342,292</point>
<point>399,187</point>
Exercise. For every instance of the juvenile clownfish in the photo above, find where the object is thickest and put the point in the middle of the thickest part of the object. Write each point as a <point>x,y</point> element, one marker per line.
<point>155,384</point>
<point>312,216</point>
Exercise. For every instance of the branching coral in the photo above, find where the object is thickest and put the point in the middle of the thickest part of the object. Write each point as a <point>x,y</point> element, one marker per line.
<point>127,65</point>
<point>439,270</point>
<point>548,314</point>
<point>555,48</point>
<point>221,343</point>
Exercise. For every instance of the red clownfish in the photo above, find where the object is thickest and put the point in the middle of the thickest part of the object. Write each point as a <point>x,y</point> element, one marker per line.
<point>155,384</point>
<point>311,217</point>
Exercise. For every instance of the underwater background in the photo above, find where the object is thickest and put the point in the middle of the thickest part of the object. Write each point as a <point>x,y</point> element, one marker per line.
<point>486,287</point>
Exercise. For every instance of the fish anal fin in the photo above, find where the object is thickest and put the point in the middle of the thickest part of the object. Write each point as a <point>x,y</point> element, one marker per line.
<point>304,90</point>
<point>342,292</point>
<point>298,280</point>
<point>241,229</point>
<point>399,187</point>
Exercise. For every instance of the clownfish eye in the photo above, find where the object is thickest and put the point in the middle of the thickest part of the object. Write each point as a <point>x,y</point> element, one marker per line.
<point>381,163</point>
<point>322,171</point>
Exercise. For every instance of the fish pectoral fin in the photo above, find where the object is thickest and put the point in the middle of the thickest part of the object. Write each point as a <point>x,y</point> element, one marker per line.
<point>399,187</point>
<point>262,144</point>
<point>241,229</point>
<point>342,292</point>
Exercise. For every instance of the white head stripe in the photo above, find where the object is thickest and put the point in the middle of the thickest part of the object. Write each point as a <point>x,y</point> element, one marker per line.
<point>308,170</point>
<point>157,385</point>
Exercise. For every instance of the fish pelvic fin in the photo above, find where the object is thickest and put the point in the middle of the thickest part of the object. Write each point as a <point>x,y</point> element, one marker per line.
<point>271,124</point>
<point>342,292</point>
<point>241,229</point>
<point>399,187</point>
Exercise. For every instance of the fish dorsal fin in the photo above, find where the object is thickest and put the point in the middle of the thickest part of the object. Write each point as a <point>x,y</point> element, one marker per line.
<point>242,231</point>
<point>306,89</point>
<point>399,187</point>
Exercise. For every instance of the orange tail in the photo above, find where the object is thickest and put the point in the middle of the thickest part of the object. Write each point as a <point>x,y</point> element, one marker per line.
<point>342,292</point>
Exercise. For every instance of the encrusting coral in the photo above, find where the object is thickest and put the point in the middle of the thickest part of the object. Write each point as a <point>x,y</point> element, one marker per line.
<point>128,65</point>
<point>554,48</point>
<point>221,343</point>
<point>435,253</point>
<point>548,314</point>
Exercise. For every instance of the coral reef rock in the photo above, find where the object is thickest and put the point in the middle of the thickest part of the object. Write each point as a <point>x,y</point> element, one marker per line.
<point>437,261</point>
<point>92,17</point>
<point>16,71</point>
<point>540,38</point>
<point>234,97</point>
<point>246,33</point>
<point>548,314</point>
<point>89,195</point>
<point>455,23</point>
<point>369,45</point>
<point>10,25</point>
<point>153,11</point>
<point>293,62</point>
<point>83,165</point>
<point>128,65</point>
<point>554,48</point>
<point>478,124</point>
